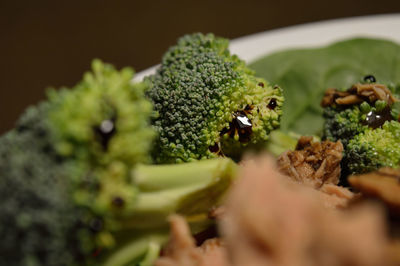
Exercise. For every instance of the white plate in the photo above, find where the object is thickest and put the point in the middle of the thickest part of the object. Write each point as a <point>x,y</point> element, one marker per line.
<point>310,35</point>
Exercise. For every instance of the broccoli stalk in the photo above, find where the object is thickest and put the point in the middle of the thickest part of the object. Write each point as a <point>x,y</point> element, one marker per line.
<point>74,185</point>
<point>280,142</point>
<point>143,251</point>
<point>194,188</point>
<point>190,189</point>
<point>208,103</point>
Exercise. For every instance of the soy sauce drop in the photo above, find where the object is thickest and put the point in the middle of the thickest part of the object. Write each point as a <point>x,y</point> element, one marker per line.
<point>243,126</point>
<point>375,120</point>
<point>214,148</point>
<point>105,131</point>
<point>118,202</point>
<point>272,104</point>
<point>370,79</point>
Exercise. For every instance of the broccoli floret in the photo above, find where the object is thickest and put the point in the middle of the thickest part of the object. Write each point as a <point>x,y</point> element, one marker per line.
<point>37,214</point>
<point>374,148</point>
<point>343,124</point>
<point>75,188</point>
<point>365,118</point>
<point>209,103</point>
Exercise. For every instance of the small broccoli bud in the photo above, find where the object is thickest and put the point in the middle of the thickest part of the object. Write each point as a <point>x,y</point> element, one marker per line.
<point>380,105</point>
<point>365,107</point>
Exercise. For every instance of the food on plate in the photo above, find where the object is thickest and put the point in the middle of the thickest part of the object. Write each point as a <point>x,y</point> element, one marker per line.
<point>117,173</point>
<point>182,249</point>
<point>75,184</point>
<point>289,225</point>
<point>316,163</point>
<point>306,73</point>
<point>383,184</point>
<point>282,222</point>
<point>208,103</point>
<point>365,118</point>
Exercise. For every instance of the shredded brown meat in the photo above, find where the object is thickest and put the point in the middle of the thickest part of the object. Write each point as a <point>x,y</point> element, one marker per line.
<point>313,163</point>
<point>317,164</point>
<point>182,251</point>
<point>383,184</point>
<point>357,94</point>
<point>270,220</point>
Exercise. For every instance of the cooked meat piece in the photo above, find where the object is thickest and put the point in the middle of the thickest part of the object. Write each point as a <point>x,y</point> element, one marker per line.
<point>216,212</point>
<point>394,252</point>
<point>383,184</point>
<point>357,94</point>
<point>317,164</point>
<point>271,220</point>
<point>335,197</point>
<point>313,163</point>
<point>182,251</point>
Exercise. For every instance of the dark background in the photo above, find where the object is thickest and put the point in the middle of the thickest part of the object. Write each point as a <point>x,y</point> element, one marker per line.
<point>51,43</point>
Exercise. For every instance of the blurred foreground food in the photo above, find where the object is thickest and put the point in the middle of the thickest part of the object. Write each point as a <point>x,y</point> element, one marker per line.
<point>78,185</point>
<point>282,222</point>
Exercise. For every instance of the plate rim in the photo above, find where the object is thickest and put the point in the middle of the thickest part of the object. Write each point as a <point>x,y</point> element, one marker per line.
<point>309,35</point>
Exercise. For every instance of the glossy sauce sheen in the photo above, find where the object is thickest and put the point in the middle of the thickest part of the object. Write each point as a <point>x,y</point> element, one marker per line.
<point>105,131</point>
<point>375,120</point>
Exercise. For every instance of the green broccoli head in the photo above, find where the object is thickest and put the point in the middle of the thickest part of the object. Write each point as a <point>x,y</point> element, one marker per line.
<point>374,148</point>
<point>365,118</point>
<point>209,103</point>
<point>97,125</point>
<point>102,118</point>
<point>40,224</point>
<point>73,187</point>
<point>67,165</point>
<point>343,124</point>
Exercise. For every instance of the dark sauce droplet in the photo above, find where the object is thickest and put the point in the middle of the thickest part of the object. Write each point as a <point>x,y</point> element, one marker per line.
<point>375,120</point>
<point>242,121</point>
<point>118,202</point>
<point>96,225</point>
<point>214,148</point>
<point>105,131</point>
<point>96,252</point>
<point>240,125</point>
<point>272,104</point>
<point>369,79</point>
<point>243,126</point>
<point>248,108</point>
<point>261,84</point>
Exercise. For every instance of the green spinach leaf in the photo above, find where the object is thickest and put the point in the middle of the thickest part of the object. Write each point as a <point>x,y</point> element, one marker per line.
<point>304,75</point>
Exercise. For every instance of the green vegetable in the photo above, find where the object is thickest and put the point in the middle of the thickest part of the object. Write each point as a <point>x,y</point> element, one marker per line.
<point>306,73</point>
<point>374,148</point>
<point>368,126</point>
<point>208,102</point>
<point>280,142</point>
<point>75,188</point>
<point>343,124</point>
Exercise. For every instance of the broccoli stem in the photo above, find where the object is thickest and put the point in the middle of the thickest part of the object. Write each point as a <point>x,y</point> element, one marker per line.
<point>149,178</point>
<point>190,189</point>
<point>143,249</point>
<point>280,142</point>
<point>153,252</point>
